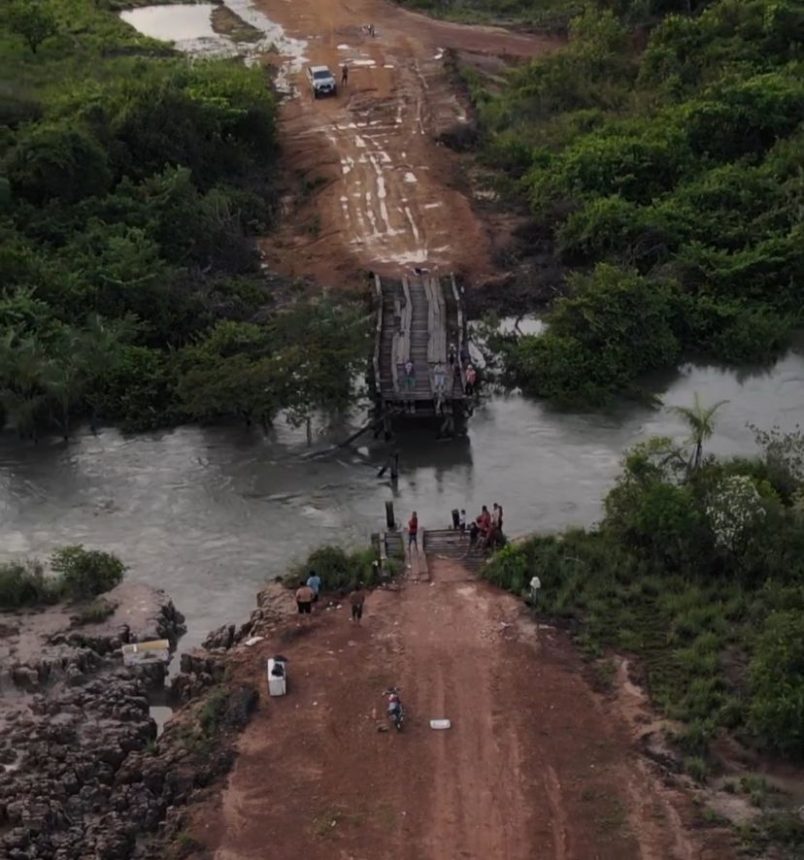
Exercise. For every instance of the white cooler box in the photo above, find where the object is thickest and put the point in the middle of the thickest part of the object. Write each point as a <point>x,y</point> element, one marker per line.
<point>277,671</point>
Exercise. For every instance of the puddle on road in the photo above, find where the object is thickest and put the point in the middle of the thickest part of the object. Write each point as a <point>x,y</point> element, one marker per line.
<point>190,29</point>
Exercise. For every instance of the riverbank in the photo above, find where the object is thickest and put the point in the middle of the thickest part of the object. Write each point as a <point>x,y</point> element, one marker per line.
<point>316,773</point>
<point>76,734</point>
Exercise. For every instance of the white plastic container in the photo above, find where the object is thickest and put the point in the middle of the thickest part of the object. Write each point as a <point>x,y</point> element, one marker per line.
<point>277,683</point>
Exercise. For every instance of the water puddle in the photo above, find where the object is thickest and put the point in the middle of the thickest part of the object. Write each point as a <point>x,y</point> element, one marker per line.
<point>191,30</point>
<point>189,27</point>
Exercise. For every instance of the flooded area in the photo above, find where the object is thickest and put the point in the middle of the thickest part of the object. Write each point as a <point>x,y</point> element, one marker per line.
<point>211,514</point>
<point>192,30</point>
<point>188,27</point>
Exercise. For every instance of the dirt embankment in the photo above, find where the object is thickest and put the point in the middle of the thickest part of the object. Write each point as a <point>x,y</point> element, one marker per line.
<point>381,192</point>
<point>535,765</point>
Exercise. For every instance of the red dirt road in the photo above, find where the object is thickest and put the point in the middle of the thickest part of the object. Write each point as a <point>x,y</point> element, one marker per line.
<point>385,194</point>
<point>535,765</point>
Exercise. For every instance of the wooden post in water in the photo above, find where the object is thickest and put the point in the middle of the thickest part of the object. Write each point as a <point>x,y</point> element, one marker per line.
<point>389,516</point>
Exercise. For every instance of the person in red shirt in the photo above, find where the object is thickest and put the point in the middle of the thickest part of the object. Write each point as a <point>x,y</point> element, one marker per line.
<point>484,521</point>
<point>413,531</point>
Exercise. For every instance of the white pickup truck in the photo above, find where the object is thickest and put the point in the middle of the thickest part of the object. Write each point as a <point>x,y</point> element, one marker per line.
<point>322,81</point>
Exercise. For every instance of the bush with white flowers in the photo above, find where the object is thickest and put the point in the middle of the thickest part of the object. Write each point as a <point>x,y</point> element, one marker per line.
<point>733,508</point>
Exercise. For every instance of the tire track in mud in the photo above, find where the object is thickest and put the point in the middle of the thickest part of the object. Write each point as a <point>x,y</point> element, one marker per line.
<point>391,195</point>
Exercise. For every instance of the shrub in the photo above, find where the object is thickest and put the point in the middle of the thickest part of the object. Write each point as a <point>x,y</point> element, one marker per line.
<point>25,584</point>
<point>212,712</point>
<point>95,612</point>
<point>777,683</point>
<point>339,570</point>
<point>86,573</point>
<point>697,768</point>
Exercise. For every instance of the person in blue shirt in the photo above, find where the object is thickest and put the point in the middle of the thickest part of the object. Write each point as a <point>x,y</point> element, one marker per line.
<point>314,584</point>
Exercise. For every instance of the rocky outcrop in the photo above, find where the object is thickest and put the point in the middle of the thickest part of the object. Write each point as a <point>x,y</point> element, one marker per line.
<point>85,778</point>
<point>40,648</point>
<point>199,671</point>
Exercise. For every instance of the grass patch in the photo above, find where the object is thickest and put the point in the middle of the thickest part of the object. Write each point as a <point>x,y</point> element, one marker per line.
<point>717,631</point>
<point>94,612</point>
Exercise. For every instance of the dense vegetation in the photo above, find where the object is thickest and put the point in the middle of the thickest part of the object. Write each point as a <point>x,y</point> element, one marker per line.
<point>697,568</point>
<point>551,15</point>
<point>341,570</point>
<point>131,183</point>
<point>667,180</point>
<point>76,574</point>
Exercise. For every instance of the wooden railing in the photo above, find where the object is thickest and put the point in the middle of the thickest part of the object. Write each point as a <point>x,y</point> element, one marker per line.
<point>378,335</point>
<point>400,344</point>
<point>459,311</point>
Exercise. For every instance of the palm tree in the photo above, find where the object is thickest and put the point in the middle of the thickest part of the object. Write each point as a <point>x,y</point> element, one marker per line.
<point>700,420</point>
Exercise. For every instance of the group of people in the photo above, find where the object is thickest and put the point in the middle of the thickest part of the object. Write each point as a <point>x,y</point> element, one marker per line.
<point>308,592</point>
<point>485,530</point>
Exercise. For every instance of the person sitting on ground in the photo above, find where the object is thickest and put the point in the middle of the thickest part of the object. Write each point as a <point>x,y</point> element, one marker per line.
<point>304,599</point>
<point>314,584</point>
<point>357,598</point>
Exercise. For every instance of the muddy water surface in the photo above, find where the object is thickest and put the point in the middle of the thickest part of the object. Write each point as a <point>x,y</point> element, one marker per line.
<point>210,514</point>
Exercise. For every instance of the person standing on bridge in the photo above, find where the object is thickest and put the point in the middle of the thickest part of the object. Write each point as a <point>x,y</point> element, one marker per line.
<point>440,378</point>
<point>410,383</point>
<point>471,380</point>
<point>497,516</point>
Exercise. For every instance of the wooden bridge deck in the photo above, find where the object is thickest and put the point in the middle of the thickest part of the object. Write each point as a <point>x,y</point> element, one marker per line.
<point>418,317</point>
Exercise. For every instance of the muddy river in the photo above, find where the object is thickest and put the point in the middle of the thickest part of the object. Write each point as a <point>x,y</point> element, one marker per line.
<point>209,514</point>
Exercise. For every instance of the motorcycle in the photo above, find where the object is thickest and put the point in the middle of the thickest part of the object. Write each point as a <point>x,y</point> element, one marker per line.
<point>396,713</point>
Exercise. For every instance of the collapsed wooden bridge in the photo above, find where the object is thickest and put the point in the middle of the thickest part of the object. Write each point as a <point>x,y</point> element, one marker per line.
<point>419,317</point>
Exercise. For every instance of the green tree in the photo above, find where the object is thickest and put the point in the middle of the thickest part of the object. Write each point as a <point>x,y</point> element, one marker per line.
<point>700,420</point>
<point>33,20</point>
<point>22,365</point>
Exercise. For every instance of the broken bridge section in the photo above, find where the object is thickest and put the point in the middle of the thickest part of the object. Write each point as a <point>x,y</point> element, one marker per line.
<point>420,323</point>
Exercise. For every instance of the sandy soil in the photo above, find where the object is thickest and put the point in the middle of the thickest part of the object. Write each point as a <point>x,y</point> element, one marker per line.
<point>536,765</point>
<point>386,195</point>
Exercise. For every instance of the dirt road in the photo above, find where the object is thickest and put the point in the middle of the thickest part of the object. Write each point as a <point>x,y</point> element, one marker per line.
<point>383,194</point>
<point>535,765</point>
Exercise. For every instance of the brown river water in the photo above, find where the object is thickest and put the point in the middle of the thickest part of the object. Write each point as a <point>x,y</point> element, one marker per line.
<point>210,514</point>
